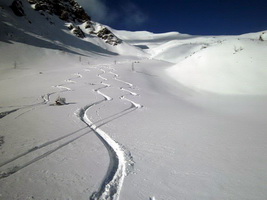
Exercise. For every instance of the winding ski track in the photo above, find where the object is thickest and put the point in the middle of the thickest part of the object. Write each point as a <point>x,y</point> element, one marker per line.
<point>113,181</point>
<point>119,156</point>
<point>48,146</point>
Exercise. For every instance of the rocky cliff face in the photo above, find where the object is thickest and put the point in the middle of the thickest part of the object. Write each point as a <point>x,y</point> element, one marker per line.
<point>72,13</point>
<point>67,10</point>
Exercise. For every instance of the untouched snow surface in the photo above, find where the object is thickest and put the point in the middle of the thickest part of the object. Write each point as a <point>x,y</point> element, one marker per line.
<point>175,117</point>
<point>226,64</point>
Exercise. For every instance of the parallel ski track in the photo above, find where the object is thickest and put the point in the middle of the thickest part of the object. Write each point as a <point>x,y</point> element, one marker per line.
<point>12,161</point>
<point>112,184</point>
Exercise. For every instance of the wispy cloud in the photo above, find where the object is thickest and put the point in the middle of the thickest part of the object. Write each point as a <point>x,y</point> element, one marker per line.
<point>133,15</point>
<point>97,9</point>
<point>125,12</point>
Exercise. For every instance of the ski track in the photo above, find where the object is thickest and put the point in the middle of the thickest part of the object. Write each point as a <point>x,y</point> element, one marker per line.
<point>104,95</point>
<point>126,90</point>
<point>105,84</point>
<point>132,102</point>
<point>70,81</point>
<point>116,75</point>
<point>112,184</point>
<point>78,75</point>
<point>132,93</point>
<point>15,168</point>
<point>46,98</point>
<point>64,88</point>
<point>127,83</point>
<point>120,157</point>
<point>102,77</point>
<point>3,114</point>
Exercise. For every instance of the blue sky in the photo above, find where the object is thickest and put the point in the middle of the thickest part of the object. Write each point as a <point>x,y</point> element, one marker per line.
<point>196,17</point>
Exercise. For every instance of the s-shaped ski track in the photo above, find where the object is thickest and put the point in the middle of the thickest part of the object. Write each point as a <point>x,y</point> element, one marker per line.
<point>112,184</point>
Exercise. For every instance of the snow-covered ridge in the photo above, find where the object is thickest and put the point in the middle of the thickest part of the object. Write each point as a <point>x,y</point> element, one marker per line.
<point>230,65</point>
<point>69,11</point>
<point>92,36</point>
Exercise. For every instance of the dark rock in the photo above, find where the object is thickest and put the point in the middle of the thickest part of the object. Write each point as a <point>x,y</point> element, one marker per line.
<point>103,32</point>
<point>41,6</point>
<point>64,15</point>
<point>66,9</point>
<point>78,32</point>
<point>88,24</point>
<point>60,101</point>
<point>17,8</point>
<point>261,38</point>
<point>80,14</point>
<point>70,27</point>
<point>108,36</point>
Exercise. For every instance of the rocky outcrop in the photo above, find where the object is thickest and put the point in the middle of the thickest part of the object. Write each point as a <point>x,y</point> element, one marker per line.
<point>67,10</point>
<point>71,12</point>
<point>263,36</point>
<point>17,8</point>
<point>102,32</point>
<point>76,30</point>
<point>108,36</point>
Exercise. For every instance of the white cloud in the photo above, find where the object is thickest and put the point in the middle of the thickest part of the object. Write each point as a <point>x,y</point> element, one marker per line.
<point>133,16</point>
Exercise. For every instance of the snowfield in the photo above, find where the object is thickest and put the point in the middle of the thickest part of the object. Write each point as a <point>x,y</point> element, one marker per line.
<point>159,117</point>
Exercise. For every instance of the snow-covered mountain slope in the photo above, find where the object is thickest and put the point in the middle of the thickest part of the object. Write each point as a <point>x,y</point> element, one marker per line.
<point>218,64</point>
<point>231,66</point>
<point>85,118</point>
<point>150,41</point>
<point>40,27</point>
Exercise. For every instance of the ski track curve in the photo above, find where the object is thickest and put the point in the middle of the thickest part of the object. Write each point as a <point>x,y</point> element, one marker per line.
<point>112,184</point>
<point>127,83</point>
<point>130,86</point>
<point>113,181</point>
<point>132,102</point>
<point>63,88</point>
<point>46,99</point>
<point>132,93</point>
